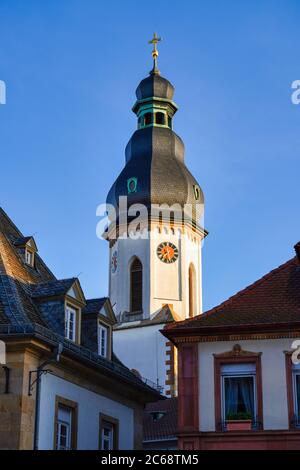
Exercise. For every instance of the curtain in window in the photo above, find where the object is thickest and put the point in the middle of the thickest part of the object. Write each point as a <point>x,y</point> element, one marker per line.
<point>247,394</point>
<point>239,395</point>
<point>231,395</point>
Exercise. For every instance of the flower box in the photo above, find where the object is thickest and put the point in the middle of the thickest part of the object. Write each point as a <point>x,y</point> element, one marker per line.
<point>239,425</point>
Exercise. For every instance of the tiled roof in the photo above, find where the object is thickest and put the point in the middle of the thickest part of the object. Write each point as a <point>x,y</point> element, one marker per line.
<point>52,288</point>
<point>165,427</point>
<point>94,305</point>
<point>273,299</point>
<point>20,241</point>
<point>28,303</point>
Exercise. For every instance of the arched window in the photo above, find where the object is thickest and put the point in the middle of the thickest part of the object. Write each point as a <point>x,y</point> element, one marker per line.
<point>147,119</point>
<point>192,291</point>
<point>136,286</point>
<point>160,118</point>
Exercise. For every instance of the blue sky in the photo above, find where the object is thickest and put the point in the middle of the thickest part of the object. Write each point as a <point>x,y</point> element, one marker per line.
<point>71,68</point>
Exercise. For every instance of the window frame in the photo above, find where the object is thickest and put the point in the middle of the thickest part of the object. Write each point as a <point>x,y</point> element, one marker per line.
<point>114,423</point>
<point>291,391</point>
<point>241,358</point>
<point>295,374</point>
<point>71,309</point>
<point>61,402</point>
<point>102,327</point>
<point>236,375</point>
<point>29,253</point>
<point>132,292</point>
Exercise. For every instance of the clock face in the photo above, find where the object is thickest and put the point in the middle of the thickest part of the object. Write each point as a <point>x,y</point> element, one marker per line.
<point>114,262</point>
<point>167,252</point>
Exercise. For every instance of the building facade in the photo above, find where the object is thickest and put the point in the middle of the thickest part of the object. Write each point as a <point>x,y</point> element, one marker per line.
<point>61,385</point>
<point>239,368</point>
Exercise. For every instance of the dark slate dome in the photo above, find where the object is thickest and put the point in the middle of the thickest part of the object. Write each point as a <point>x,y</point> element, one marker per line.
<point>155,86</point>
<point>155,155</point>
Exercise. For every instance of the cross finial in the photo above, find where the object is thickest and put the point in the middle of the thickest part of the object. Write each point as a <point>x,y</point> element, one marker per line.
<point>154,41</point>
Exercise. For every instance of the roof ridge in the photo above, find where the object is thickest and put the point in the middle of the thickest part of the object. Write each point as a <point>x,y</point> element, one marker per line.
<point>4,214</point>
<point>97,298</point>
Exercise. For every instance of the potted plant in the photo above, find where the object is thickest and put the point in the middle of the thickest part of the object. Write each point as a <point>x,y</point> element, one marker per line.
<point>239,421</point>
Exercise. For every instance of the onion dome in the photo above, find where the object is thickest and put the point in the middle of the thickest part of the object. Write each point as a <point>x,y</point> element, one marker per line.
<point>155,171</point>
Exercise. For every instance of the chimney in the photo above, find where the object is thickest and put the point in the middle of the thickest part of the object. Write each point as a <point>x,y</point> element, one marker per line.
<point>297,250</point>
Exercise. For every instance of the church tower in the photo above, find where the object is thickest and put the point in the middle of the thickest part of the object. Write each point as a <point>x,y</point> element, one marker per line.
<point>155,239</point>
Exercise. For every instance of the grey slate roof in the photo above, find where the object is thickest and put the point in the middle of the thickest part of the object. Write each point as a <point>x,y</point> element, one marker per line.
<point>29,304</point>
<point>52,288</point>
<point>94,305</point>
<point>155,86</point>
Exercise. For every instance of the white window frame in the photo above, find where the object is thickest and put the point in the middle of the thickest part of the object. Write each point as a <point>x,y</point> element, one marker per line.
<point>70,325</point>
<point>68,426</point>
<point>29,257</point>
<point>233,375</point>
<point>102,340</point>
<point>110,438</point>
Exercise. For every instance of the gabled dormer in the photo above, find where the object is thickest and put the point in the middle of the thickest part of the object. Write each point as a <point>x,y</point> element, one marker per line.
<point>61,303</point>
<point>28,249</point>
<point>97,323</point>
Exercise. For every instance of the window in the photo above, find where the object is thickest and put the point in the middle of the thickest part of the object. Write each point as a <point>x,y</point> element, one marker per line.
<point>29,257</point>
<point>147,119</point>
<point>238,391</point>
<point>238,388</point>
<point>109,430</point>
<point>170,122</point>
<point>160,118</point>
<point>192,291</point>
<point>136,286</point>
<point>65,424</point>
<point>102,340</point>
<point>70,323</point>
<point>296,393</point>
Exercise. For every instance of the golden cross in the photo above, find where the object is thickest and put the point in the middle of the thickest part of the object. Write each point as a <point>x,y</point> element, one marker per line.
<point>154,41</point>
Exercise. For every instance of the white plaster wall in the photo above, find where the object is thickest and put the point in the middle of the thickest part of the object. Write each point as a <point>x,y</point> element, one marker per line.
<point>120,280</point>
<point>143,349</point>
<point>169,282</point>
<point>275,411</point>
<point>90,405</point>
<point>162,283</point>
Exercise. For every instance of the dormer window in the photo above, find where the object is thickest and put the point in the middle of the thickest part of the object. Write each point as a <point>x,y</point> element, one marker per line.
<point>29,257</point>
<point>102,340</point>
<point>70,323</point>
